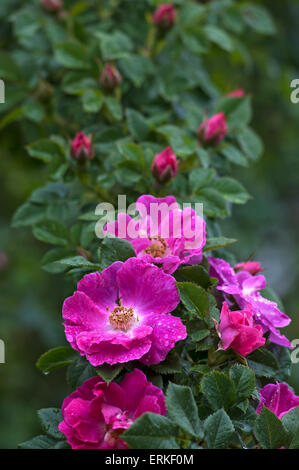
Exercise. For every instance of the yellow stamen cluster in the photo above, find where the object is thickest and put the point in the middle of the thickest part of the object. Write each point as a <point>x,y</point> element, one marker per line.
<point>157,249</point>
<point>122,318</point>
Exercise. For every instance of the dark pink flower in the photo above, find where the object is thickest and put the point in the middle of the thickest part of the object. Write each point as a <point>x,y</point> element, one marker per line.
<point>165,165</point>
<point>238,330</point>
<point>244,288</point>
<point>81,148</point>
<point>122,314</point>
<point>163,234</point>
<point>238,93</point>
<point>253,267</point>
<point>165,16</point>
<point>278,398</point>
<point>52,5</point>
<point>96,414</point>
<point>110,77</point>
<point>213,130</point>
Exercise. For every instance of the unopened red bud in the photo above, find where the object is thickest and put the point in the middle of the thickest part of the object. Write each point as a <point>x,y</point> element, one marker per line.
<point>165,15</point>
<point>110,77</point>
<point>81,148</point>
<point>213,130</point>
<point>238,93</point>
<point>52,5</point>
<point>165,166</point>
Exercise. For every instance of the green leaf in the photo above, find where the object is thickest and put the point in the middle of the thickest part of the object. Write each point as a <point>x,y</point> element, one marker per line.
<point>182,146</point>
<point>109,373</point>
<point>233,155</point>
<point>244,380</point>
<point>51,231</point>
<point>50,418</point>
<point>79,371</point>
<point>8,68</point>
<point>218,242</point>
<point>152,431</point>
<point>258,18</point>
<point>219,430</point>
<point>250,143</point>
<point>219,37</point>
<point>263,363</point>
<point>200,177</point>
<point>28,214</point>
<point>114,107</point>
<point>72,54</point>
<point>219,390</point>
<point>214,204</point>
<point>137,125</point>
<point>231,190</point>
<point>114,46</point>
<point>78,262</point>
<point>92,101</point>
<point>132,152</point>
<point>45,150</point>
<point>269,430</point>
<point>290,422</point>
<point>171,364</point>
<point>39,442</point>
<point>115,249</point>
<point>56,358</point>
<point>182,409</point>
<point>194,298</point>
<point>196,273</point>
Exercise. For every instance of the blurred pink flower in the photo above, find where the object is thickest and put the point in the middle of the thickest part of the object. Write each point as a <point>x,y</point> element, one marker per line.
<point>165,16</point>
<point>52,5</point>
<point>278,398</point>
<point>81,148</point>
<point>96,414</point>
<point>253,267</point>
<point>110,77</point>
<point>238,93</point>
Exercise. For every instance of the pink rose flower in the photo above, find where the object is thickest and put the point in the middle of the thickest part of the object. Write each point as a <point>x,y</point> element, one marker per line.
<point>52,5</point>
<point>238,93</point>
<point>213,130</point>
<point>122,314</point>
<point>81,148</point>
<point>164,16</point>
<point>244,289</point>
<point>172,238</point>
<point>165,165</point>
<point>252,267</point>
<point>110,77</point>
<point>238,330</point>
<point>278,398</point>
<point>96,414</point>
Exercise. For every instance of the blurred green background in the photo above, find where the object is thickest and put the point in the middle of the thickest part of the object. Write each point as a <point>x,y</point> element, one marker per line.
<point>267,227</point>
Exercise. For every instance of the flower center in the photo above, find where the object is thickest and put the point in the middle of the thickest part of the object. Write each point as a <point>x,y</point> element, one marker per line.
<point>122,318</point>
<point>157,248</point>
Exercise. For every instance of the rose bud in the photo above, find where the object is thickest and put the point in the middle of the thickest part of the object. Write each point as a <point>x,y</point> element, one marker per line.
<point>110,77</point>
<point>252,267</point>
<point>213,130</point>
<point>81,148</point>
<point>165,166</point>
<point>238,330</point>
<point>52,5</point>
<point>238,93</point>
<point>164,16</point>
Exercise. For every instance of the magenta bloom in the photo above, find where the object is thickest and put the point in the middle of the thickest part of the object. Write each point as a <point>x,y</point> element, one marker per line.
<point>122,314</point>
<point>165,166</point>
<point>245,290</point>
<point>213,130</point>
<point>253,267</point>
<point>278,398</point>
<point>238,93</point>
<point>163,234</point>
<point>81,148</point>
<point>164,16</point>
<point>96,414</point>
<point>238,330</point>
<point>110,77</point>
